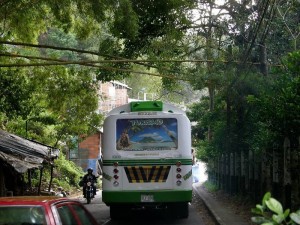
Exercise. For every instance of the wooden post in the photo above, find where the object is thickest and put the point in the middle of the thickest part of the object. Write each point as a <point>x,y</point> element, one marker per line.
<point>41,176</point>
<point>287,172</point>
<point>2,182</point>
<point>51,177</point>
<point>29,178</point>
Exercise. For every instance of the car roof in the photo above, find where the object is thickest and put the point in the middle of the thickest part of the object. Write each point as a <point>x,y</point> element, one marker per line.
<point>33,200</point>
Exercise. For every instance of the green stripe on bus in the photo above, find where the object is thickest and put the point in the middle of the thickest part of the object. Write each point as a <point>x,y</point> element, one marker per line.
<point>162,196</point>
<point>147,162</point>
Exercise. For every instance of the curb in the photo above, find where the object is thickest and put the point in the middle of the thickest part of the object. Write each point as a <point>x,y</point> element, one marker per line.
<point>222,214</point>
<point>208,206</point>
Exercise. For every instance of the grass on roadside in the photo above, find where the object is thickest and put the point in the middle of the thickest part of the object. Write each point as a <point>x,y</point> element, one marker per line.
<point>210,186</point>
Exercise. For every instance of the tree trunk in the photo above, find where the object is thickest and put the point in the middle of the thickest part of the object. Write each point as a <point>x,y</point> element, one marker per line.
<point>263,59</point>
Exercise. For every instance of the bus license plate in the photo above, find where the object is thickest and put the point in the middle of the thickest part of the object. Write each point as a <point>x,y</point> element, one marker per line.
<point>147,198</point>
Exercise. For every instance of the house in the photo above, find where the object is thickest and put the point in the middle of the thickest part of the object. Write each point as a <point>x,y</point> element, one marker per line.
<point>113,94</point>
<point>88,152</point>
<point>18,157</point>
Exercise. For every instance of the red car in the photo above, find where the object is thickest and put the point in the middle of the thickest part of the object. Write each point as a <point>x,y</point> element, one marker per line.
<point>43,210</point>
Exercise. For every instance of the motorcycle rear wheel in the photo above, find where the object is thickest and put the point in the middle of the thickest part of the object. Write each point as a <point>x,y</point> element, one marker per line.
<point>88,200</point>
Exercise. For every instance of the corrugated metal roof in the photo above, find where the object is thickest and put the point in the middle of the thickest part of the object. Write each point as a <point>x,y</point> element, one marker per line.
<point>19,165</point>
<point>24,154</point>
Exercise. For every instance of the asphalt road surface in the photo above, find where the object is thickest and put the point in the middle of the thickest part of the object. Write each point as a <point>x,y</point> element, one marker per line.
<point>101,212</point>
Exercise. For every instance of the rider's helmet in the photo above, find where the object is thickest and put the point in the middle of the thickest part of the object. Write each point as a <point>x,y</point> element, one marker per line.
<point>90,170</point>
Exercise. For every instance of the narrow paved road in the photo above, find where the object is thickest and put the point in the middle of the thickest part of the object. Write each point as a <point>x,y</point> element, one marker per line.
<point>101,213</point>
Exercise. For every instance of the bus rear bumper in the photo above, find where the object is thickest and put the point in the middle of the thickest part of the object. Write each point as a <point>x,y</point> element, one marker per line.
<point>146,197</point>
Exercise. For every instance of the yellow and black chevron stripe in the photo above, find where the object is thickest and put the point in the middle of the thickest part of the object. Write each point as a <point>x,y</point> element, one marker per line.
<point>147,174</point>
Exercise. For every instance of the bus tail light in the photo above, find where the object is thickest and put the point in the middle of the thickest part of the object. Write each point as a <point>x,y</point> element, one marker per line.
<point>116,176</point>
<point>178,176</point>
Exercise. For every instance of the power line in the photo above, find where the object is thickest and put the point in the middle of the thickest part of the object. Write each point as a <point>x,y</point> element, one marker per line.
<point>256,31</point>
<point>58,62</point>
<point>126,60</point>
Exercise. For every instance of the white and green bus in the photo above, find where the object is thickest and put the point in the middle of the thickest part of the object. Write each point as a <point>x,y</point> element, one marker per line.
<point>147,159</point>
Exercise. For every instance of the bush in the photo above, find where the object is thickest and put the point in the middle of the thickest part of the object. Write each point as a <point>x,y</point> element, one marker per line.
<point>271,213</point>
<point>67,173</point>
<point>210,186</point>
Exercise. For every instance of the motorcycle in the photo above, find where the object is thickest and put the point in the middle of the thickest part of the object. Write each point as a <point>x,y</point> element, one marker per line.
<point>89,192</point>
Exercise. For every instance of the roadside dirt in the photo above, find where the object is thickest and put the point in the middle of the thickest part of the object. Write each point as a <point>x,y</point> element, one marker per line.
<point>239,207</point>
<point>203,212</point>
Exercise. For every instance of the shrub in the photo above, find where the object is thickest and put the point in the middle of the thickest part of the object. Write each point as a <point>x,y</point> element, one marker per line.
<point>271,212</point>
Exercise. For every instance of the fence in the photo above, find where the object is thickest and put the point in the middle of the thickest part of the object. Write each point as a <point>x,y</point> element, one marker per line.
<point>275,169</point>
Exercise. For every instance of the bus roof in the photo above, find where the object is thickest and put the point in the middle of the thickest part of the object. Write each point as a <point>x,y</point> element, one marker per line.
<point>146,106</point>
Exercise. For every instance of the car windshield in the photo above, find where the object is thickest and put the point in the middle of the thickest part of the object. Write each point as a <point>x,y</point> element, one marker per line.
<point>22,215</point>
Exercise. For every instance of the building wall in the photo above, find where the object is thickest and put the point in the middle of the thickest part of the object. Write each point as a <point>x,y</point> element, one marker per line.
<point>121,96</point>
<point>107,100</point>
<point>88,153</point>
<point>112,94</point>
<point>92,144</point>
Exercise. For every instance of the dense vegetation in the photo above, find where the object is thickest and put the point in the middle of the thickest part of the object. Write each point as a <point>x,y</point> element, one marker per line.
<point>241,56</point>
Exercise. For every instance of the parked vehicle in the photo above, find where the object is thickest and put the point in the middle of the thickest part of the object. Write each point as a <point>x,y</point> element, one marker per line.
<point>43,210</point>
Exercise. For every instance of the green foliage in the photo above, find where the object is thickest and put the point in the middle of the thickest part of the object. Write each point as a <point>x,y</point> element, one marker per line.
<point>143,84</point>
<point>24,20</point>
<point>60,104</point>
<point>15,93</point>
<point>156,19</point>
<point>271,212</point>
<point>278,106</point>
<point>203,152</point>
<point>67,174</point>
<point>126,23</point>
<point>56,37</point>
<point>292,63</point>
<point>210,186</point>
<point>250,114</point>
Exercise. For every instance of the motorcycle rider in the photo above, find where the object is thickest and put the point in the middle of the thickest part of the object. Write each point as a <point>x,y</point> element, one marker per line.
<point>89,177</point>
